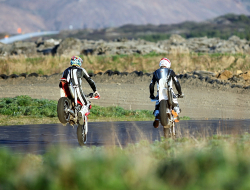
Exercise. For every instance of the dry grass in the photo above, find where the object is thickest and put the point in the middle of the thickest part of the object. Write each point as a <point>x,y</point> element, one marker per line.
<point>181,63</point>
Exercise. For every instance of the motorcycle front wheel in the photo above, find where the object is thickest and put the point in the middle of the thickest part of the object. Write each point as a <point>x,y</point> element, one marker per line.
<point>63,104</point>
<point>170,131</point>
<point>81,132</point>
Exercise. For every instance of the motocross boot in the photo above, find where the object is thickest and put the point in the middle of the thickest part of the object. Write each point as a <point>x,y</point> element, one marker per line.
<point>157,118</point>
<point>156,121</point>
<point>176,116</point>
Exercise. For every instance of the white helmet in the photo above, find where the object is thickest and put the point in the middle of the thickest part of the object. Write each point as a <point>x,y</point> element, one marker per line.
<point>165,62</point>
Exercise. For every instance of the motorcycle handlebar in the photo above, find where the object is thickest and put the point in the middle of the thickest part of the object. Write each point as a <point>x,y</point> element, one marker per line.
<point>180,95</point>
<point>93,96</point>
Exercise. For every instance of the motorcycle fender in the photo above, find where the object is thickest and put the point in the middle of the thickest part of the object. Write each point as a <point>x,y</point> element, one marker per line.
<point>86,125</point>
<point>62,93</point>
<point>163,95</point>
<point>162,90</point>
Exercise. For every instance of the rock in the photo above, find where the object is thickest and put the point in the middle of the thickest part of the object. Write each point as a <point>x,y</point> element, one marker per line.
<point>13,76</point>
<point>23,75</point>
<point>70,47</point>
<point>237,79</point>
<point>33,75</point>
<point>25,48</point>
<point>109,72</point>
<point>175,45</point>
<point>176,39</point>
<point>240,61</point>
<point>246,76</point>
<point>238,72</point>
<point>227,61</point>
<point>234,38</point>
<point>39,41</point>
<point>204,73</point>
<point>3,76</point>
<point>225,75</point>
<point>97,71</point>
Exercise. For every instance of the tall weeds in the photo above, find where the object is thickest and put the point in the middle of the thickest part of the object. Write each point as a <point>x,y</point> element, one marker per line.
<point>46,65</point>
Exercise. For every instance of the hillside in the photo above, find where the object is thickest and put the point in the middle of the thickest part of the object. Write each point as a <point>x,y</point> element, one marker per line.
<point>220,27</point>
<point>36,15</point>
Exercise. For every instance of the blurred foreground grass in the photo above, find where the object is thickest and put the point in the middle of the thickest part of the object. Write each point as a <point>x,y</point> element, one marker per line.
<point>25,110</point>
<point>217,162</point>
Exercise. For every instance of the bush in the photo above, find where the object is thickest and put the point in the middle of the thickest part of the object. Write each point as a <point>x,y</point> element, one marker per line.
<point>187,163</point>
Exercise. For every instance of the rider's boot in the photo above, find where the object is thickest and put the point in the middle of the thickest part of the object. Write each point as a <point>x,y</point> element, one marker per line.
<point>156,122</point>
<point>157,118</point>
<point>176,112</point>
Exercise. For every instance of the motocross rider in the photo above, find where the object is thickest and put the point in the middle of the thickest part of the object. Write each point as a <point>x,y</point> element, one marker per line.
<point>74,75</point>
<point>164,72</point>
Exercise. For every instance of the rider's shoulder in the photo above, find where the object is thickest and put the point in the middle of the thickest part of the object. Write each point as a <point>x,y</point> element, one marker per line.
<point>82,69</point>
<point>67,69</point>
<point>172,71</point>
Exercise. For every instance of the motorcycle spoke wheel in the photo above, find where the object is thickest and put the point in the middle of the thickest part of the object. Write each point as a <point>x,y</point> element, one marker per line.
<point>81,135</point>
<point>62,105</point>
<point>166,132</point>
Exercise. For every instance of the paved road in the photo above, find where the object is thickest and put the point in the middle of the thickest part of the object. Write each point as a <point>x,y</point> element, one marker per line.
<point>39,138</point>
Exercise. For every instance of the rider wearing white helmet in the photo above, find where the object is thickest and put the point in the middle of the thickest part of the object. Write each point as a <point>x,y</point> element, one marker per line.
<point>164,71</point>
<point>74,75</point>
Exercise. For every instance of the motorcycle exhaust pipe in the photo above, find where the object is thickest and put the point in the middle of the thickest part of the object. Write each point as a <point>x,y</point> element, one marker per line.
<point>71,112</point>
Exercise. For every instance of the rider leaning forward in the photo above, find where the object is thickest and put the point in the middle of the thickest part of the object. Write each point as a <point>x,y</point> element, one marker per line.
<point>74,75</point>
<point>164,72</point>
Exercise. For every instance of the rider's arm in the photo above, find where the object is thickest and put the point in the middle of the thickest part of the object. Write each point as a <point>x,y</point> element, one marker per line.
<point>152,85</point>
<point>176,82</point>
<point>89,80</point>
<point>64,75</point>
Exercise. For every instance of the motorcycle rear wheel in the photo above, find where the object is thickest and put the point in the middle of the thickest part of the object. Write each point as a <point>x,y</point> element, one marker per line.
<point>163,112</point>
<point>62,104</point>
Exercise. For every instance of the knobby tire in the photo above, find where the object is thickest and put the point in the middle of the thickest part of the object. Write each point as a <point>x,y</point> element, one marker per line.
<point>63,103</point>
<point>163,112</point>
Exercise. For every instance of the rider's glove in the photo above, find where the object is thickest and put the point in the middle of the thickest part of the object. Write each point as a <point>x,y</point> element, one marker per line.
<point>96,93</point>
<point>180,95</point>
<point>152,96</point>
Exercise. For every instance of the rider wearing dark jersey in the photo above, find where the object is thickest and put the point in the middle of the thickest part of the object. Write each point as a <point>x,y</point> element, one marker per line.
<point>74,75</point>
<point>164,72</point>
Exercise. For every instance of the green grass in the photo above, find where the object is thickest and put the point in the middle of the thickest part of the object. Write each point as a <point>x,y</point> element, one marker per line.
<point>25,110</point>
<point>22,108</point>
<point>217,162</point>
<point>26,106</point>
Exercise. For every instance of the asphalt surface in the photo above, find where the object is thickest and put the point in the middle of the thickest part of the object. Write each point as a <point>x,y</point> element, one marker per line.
<point>39,139</point>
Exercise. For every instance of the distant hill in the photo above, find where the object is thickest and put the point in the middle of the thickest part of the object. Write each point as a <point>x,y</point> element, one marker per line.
<point>222,27</point>
<point>36,15</point>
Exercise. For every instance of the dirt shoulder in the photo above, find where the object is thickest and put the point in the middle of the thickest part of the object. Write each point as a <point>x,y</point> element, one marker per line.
<point>203,99</point>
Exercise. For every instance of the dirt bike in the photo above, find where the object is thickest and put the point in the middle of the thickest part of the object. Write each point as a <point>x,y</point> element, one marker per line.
<point>168,117</point>
<point>68,108</point>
